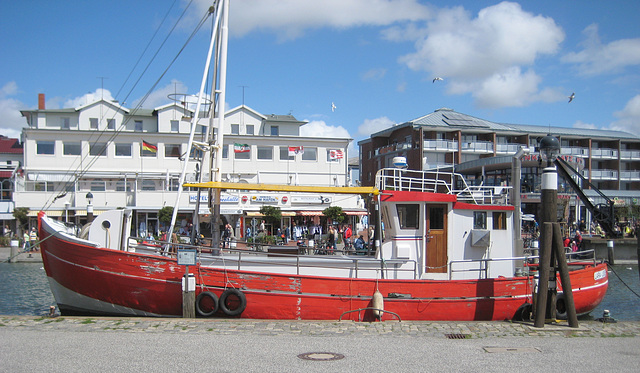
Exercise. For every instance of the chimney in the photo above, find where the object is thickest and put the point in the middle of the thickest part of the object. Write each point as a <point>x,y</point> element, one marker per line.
<point>41,101</point>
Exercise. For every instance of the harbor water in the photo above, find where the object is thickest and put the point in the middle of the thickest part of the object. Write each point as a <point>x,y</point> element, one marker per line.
<point>24,290</point>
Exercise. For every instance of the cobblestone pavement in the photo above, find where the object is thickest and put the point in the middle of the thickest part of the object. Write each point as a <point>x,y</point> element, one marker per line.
<point>443,329</point>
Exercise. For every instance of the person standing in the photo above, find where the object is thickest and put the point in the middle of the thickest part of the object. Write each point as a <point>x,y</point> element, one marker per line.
<point>25,241</point>
<point>33,239</point>
<point>331,240</point>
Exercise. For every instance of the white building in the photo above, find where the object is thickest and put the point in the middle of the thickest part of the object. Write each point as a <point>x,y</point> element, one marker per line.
<point>98,148</point>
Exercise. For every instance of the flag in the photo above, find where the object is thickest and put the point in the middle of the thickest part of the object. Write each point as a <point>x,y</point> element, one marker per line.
<point>241,148</point>
<point>149,147</point>
<point>336,154</point>
<point>293,150</point>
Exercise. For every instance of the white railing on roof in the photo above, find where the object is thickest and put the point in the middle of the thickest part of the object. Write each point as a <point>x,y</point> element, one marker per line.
<point>437,181</point>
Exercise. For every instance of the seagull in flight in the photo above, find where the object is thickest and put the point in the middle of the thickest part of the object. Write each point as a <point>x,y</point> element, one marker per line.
<point>436,78</point>
<point>333,107</point>
<point>573,95</point>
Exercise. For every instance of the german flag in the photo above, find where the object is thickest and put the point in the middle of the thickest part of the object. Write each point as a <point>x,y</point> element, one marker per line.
<point>149,147</point>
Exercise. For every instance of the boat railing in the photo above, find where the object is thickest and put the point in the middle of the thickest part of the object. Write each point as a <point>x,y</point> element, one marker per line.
<point>438,181</point>
<point>578,258</point>
<point>245,257</point>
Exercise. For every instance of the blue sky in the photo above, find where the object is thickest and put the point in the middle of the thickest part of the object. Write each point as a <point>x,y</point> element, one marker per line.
<point>513,62</point>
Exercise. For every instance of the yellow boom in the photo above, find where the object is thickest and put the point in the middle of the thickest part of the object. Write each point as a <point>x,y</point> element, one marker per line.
<point>284,188</point>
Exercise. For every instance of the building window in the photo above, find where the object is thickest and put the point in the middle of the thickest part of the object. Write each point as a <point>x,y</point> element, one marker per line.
<point>98,186</point>
<point>111,124</point>
<point>121,186</point>
<point>250,129</point>
<point>175,126</point>
<point>310,154</point>
<point>284,154</point>
<point>123,150</point>
<point>265,152</point>
<point>148,185</point>
<point>235,129</point>
<point>138,126</point>
<point>479,220</point>
<point>93,123</point>
<point>45,147</point>
<point>65,123</point>
<point>98,149</point>
<point>408,215</point>
<point>225,151</point>
<point>499,220</point>
<point>72,148</point>
<point>172,150</point>
<point>275,131</point>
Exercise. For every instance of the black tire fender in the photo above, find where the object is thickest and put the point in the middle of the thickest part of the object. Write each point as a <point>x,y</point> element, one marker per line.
<point>561,307</point>
<point>213,297</point>
<point>242,299</point>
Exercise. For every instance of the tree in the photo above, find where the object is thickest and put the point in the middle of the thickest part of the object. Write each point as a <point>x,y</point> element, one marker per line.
<point>165,214</point>
<point>271,214</point>
<point>334,213</point>
<point>22,215</point>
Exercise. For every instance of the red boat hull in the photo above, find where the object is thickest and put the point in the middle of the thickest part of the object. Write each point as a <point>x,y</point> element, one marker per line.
<point>89,280</point>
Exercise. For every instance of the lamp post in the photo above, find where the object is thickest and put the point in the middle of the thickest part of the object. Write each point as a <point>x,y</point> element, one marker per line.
<point>549,150</point>
<point>66,211</point>
<point>89,198</point>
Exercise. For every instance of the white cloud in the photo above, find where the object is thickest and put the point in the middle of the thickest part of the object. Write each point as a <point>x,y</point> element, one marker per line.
<point>88,98</point>
<point>374,74</point>
<point>597,58</point>
<point>370,126</point>
<point>629,117</point>
<point>581,124</point>
<point>12,121</point>
<point>319,128</point>
<point>486,53</point>
<point>289,19</point>
<point>160,96</point>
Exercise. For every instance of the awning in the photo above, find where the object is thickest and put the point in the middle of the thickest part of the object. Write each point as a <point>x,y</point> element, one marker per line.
<point>309,213</point>
<point>49,213</point>
<point>84,212</point>
<point>6,216</point>
<point>6,174</point>
<point>356,212</point>
<point>257,213</point>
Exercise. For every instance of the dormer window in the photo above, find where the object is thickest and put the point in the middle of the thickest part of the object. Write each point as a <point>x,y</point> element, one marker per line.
<point>275,131</point>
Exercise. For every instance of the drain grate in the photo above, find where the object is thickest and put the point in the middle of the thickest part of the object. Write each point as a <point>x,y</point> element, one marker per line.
<point>457,336</point>
<point>510,349</point>
<point>321,356</point>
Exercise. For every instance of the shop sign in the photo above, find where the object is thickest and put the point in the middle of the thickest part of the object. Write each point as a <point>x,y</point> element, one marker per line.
<point>204,197</point>
<point>310,199</point>
<point>264,199</point>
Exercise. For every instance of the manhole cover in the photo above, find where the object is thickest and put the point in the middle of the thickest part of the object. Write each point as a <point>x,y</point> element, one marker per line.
<point>457,336</point>
<point>510,349</point>
<point>321,356</point>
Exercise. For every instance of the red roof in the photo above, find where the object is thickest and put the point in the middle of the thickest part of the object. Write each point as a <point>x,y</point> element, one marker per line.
<point>8,145</point>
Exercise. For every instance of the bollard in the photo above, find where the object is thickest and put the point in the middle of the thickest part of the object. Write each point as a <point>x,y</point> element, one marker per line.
<point>610,252</point>
<point>14,251</point>
<point>189,296</point>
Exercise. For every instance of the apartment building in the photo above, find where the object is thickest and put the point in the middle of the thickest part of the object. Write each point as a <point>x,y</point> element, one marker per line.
<point>483,150</point>
<point>133,158</point>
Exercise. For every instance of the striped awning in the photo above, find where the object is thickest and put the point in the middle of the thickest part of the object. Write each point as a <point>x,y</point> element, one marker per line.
<point>257,213</point>
<point>358,212</point>
<point>309,213</point>
<point>48,212</point>
<point>84,212</point>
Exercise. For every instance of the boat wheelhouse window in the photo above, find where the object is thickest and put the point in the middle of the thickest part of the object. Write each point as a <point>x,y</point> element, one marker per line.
<point>98,149</point>
<point>123,150</point>
<point>172,150</point>
<point>72,148</point>
<point>175,126</point>
<point>235,129</point>
<point>436,217</point>
<point>93,123</point>
<point>408,215</point>
<point>310,154</point>
<point>111,124</point>
<point>479,220</point>
<point>499,220</point>
<point>265,152</point>
<point>45,147</point>
<point>250,129</point>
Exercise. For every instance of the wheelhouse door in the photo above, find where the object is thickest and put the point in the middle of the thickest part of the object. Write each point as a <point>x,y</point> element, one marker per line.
<point>436,258</point>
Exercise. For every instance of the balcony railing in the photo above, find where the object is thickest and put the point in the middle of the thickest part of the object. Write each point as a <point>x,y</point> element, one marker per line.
<point>392,148</point>
<point>630,154</point>
<point>440,145</point>
<point>604,153</point>
<point>578,151</point>
<point>630,175</point>
<point>508,148</point>
<point>601,174</point>
<point>478,147</point>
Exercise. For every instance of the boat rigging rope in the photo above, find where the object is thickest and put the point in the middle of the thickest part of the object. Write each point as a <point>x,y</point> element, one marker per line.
<point>83,168</point>
<point>624,283</point>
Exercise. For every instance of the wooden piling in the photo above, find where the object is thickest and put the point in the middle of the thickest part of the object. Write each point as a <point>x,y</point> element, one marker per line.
<point>543,275</point>
<point>563,268</point>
